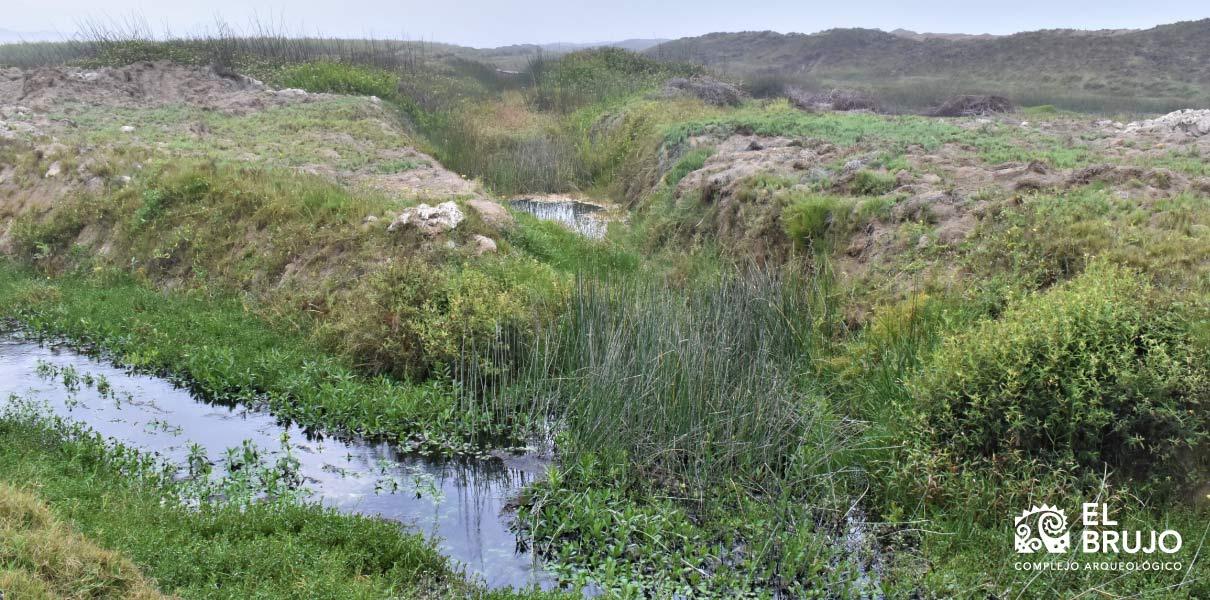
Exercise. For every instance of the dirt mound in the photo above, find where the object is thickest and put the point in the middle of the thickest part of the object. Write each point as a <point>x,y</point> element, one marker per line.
<point>835,99</point>
<point>708,90</point>
<point>972,106</point>
<point>748,224</point>
<point>1194,123</point>
<point>424,177</point>
<point>139,85</point>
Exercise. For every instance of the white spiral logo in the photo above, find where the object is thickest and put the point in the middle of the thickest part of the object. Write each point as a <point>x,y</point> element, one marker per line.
<point>1041,527</point>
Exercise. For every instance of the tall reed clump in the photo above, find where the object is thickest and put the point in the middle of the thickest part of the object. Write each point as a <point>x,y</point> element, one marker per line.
<point>697,386</point>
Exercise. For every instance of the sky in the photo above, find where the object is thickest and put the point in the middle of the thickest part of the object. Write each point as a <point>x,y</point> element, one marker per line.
<point>488,23</point>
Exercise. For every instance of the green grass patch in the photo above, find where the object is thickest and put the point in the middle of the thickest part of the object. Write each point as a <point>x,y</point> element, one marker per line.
<point>230,353</point>
<point>691,161</point>
<point>339,78</point>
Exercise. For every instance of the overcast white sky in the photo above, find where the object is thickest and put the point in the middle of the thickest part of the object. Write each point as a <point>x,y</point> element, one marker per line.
<point>496,22</point>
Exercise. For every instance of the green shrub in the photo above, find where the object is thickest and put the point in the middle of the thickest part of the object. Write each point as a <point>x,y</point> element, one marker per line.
<point>339,78</point>
<point>1041,109</point>
<point>412,319</point>
<point>872,183</point>
<point>1092,373</point>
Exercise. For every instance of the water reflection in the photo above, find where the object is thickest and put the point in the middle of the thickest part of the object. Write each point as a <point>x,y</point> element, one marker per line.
<point>583,218</point>
<point>460,502</point>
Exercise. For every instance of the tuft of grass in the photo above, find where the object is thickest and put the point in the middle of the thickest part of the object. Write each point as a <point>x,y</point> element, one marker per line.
<point>646,353</point>
<point>807,219</point>
<point>661,422</point>
<point>691,161</point>
<point>872,183</point>
<point>43,558</point>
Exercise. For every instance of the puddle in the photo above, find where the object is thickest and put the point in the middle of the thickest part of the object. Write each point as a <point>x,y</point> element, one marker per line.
<point>583,218</point>
<point>459,503</point>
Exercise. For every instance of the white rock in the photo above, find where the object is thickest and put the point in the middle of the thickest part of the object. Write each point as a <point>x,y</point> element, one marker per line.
<point>1192,122</point>
<point>430,220</point>
<point>55,169</point>
<point>483,245</point>
<point>127,128</point>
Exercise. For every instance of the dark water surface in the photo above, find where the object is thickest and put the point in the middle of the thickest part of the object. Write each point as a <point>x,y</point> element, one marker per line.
<point>459,502</point>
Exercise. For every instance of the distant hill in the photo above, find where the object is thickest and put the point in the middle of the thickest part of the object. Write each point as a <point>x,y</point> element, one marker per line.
<point>516,55</point>
<point>8,36</point>
<point>634,45</point>
<point>1169,64</point>
<point>912,35</point>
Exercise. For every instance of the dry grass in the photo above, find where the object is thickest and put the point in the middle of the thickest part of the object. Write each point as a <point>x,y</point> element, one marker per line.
<point>43,558</point>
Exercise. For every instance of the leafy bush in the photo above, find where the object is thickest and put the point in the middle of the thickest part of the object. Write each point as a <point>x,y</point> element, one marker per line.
<point>1094,373</point>
<point>412,318</point>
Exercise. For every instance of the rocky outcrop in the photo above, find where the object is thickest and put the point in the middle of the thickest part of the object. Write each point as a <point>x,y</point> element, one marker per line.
<point>429,220</point>
<point>972,106</point>
<point>140,85</point>
<point>1193,123</point>
<point>491,213</point>
<point>835,99</point>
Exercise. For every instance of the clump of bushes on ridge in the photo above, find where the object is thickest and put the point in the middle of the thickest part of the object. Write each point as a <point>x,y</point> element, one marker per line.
<point>1095,373</point>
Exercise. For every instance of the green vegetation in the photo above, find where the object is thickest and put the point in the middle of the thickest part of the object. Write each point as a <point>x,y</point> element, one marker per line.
<point>871,183</point>
<point>652,407</point>
<point>292,135</point>
<point>236,231</point>
<point>338,78</point>
<point>1094,372</point>
<point>599,76</point>
<point>42,558</point>
<point>808,219</point>
<point>834,371</point>
<point>120,501</point>
<point>230,354</point>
